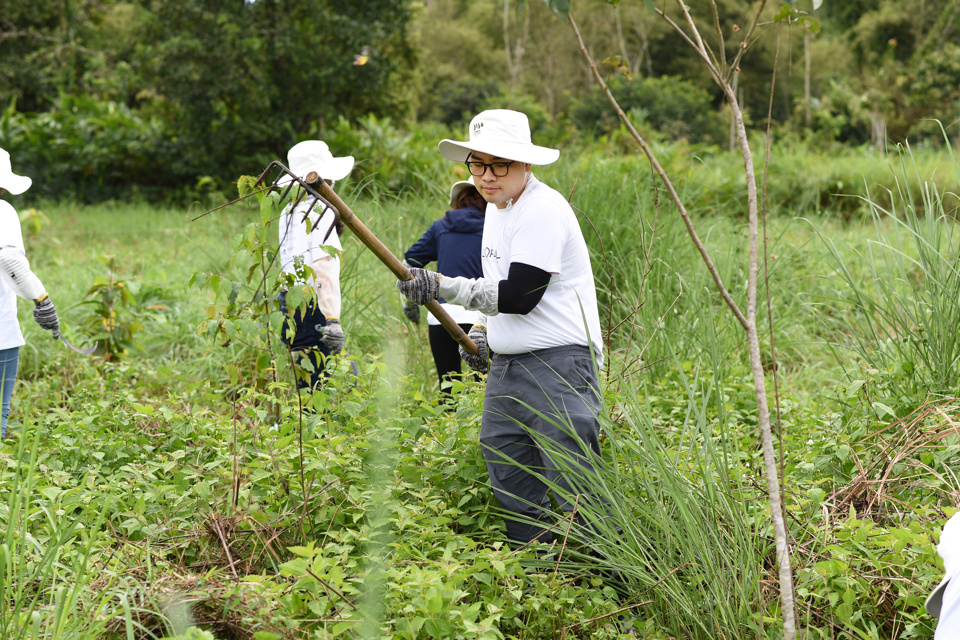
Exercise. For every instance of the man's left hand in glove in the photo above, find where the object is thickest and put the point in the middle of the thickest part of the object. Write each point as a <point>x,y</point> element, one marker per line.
<point>412,311</point>
<point>46,315</point>
<point>333,336</point>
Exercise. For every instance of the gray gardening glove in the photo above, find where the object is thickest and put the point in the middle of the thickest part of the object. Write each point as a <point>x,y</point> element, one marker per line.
<point>424,287</point>
<point>46,316</point>
<point>481,361</point>
<point>333,336</point>
<point>412,310</point>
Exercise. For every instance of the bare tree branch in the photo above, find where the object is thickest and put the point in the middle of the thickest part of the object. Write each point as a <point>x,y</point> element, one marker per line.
<point>663,176</point>
<point>749,320</point>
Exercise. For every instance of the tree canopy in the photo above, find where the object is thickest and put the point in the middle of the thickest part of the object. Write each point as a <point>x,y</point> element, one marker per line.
<point>216,88</point>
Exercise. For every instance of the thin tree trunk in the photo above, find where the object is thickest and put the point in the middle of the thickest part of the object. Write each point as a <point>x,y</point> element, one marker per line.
<point>620,39</point>
<point>749,320</point>
<point>733,121</point>
<point>644,50</point>
<point>506,44</point>
<point>806,78</point>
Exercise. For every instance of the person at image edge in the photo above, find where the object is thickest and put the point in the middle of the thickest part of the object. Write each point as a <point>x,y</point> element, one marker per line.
<point>16,279</point>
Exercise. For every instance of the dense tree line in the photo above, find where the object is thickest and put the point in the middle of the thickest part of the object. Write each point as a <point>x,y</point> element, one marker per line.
<point>159,93</point>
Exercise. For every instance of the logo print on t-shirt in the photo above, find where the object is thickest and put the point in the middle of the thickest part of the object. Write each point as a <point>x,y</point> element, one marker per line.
<point>489,252</point>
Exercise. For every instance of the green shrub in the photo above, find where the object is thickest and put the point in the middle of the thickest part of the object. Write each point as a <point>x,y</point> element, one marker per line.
<point>87,149</point>
<point>672,106</point>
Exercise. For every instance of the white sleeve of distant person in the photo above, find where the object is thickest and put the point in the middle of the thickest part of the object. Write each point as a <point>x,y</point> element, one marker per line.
<point>326,268</point>
<point>15,271</point>
<point>326,281</point>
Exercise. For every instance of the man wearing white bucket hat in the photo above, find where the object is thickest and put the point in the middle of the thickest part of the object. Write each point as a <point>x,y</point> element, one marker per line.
<point>454,242</point>
<point>305,242</point>
<point>539,302</point>
<point>16,279</point>
<point>944,602</point>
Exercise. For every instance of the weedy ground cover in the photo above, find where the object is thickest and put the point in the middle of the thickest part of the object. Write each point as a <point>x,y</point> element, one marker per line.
<point>172,487</point>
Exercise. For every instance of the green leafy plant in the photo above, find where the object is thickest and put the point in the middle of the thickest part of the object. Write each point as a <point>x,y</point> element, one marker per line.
<point>111,320</point>
<point>44,554</point>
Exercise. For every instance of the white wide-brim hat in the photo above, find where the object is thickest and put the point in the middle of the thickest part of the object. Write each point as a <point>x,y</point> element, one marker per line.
<point>458,188</point>
<point>949,550</point>
<point>314,155</point>
<point>8,179</point>
<point>502,133</point>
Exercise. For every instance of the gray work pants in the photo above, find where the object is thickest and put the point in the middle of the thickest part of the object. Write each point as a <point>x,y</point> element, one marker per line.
<point>546,394</point>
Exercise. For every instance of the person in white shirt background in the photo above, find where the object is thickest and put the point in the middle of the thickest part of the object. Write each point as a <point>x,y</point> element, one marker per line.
<point>318,334</point>
<point>16,279</point>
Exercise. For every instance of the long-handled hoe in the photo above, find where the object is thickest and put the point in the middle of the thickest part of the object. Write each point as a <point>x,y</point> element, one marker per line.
<point>314,185</point>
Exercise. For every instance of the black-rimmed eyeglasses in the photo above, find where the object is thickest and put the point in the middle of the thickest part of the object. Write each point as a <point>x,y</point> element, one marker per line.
<point>499,169</point>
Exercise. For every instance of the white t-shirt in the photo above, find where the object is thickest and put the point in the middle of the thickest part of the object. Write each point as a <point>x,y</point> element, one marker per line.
<point>541,230</point>
<point>10,234</point>
<point>295,241</point>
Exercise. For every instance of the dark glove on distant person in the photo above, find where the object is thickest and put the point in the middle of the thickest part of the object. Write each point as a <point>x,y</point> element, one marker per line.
<point>412,310</point>
<point>46,315</point>
<point>333,336</point>
<point>424,287</point>
<point>481,361</point>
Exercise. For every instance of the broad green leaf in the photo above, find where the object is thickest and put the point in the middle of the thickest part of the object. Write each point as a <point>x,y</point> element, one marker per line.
<point>785,13</point>
<point>854,387</point>
<point>340,627</point>
<point>884,410</point>
<point>559,8</point>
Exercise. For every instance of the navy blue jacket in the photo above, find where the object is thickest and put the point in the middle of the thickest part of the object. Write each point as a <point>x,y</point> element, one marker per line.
<point>454,241</point>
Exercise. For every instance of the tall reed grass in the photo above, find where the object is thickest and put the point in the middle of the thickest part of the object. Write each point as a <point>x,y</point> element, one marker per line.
<point>666,517</point>
<point>901,289</point>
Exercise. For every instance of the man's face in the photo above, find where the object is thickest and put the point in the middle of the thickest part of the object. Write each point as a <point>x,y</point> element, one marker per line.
<point>498,190</point>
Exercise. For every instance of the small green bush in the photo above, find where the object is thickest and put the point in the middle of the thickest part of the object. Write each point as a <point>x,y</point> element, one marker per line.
<point>674,107</point>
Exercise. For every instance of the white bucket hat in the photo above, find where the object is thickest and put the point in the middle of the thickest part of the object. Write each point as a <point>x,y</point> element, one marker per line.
<point>501,133</point>
<point>458,188</point>
<point>949,550</point>
<point>8,179</point>
<point>314,155</point>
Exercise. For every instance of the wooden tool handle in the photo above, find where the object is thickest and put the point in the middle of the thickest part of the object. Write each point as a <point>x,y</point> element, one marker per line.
<point>386,257</point>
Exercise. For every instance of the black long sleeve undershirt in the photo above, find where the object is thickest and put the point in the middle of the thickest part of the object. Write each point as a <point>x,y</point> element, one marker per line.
<point>523,289</point>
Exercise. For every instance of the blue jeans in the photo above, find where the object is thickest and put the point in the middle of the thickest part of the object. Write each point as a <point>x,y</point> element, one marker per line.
<point>9,359</point>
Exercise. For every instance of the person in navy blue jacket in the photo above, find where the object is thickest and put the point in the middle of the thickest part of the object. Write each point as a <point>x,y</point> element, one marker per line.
<point>454,242</point>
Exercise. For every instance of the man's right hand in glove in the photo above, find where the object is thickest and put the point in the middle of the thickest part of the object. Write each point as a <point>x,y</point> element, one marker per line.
<point>412,311</point>
<point>422,288</point>
<point>46,315</point>
<point>481,361</point>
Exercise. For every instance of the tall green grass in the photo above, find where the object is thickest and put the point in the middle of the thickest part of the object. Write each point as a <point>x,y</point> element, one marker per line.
<point>47,544</point>
<point>667,518</point>
<point>687,533</point>
<point>901,288</point>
